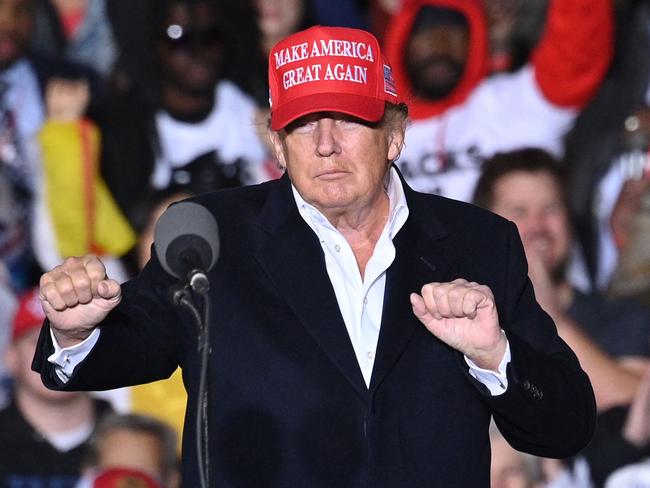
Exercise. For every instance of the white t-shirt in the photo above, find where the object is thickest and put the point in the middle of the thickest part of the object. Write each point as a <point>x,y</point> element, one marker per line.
<point>229,130</point>
<point>443,154</point>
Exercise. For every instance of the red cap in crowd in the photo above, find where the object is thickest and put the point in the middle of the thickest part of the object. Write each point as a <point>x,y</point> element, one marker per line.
<point>29,315</point>
<point>124,478</point>
<point>329,69</point>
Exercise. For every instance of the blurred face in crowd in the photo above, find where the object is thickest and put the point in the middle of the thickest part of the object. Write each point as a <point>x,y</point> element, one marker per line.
<point>146,237</point>
<point>16,22</point>
<point>338,163</point>
<point>435,59</point>
<point>190,46</point>
<point>278,18</point>
<point>123,448</point>
<point>507,468</point>
<point>19,355</point>
<point>533,201</point>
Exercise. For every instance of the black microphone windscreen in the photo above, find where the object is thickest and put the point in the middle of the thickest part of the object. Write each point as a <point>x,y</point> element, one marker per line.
<point>186,232</point>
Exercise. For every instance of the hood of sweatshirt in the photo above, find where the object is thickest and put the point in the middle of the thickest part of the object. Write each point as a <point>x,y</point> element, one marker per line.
<point>395,43</point>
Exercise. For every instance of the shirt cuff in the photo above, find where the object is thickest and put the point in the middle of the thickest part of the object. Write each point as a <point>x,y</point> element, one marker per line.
<point>66,359</point>
<point>495,381</point>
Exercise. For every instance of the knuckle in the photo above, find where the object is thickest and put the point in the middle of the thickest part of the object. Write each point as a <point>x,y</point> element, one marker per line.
<point>65,286</point>
<point>441,291</point>
<point>45,280</point>
<point>82,281</point>
<point>456,293</point>
<point>484,289</point>
<point>96,273</point>
<point>46,289</point>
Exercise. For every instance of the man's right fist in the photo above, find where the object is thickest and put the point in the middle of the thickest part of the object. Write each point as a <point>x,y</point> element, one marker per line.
<point>76,296</point>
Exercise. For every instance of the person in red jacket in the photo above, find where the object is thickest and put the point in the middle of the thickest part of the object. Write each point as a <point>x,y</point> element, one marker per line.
<point>439,52</point>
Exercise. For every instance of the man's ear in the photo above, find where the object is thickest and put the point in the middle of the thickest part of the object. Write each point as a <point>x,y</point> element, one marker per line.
<point>278,148</point>
<point>396,143</point>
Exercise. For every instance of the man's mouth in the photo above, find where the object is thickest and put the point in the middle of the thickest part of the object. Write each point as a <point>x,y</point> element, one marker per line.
<point>331,174</point>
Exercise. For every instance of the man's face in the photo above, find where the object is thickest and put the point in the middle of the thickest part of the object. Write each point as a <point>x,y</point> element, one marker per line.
<point>435,59</point>
<point>190,47</point>
<point>122,448</point>
<point>337,162</point>
<point>278,18</point>
<point>507,469</point>
<point>19,355</point>
<point>16,22</point>
<point>533,201</point>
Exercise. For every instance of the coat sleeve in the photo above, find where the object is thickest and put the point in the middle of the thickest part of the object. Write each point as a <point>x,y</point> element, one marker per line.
<point>548,408</point>
<point>143,339</point>
<point>575,51</point>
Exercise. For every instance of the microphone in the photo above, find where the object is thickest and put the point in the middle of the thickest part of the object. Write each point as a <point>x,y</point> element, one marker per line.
<point>187,243</point>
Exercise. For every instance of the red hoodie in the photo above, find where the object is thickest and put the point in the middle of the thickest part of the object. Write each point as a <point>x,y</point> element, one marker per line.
<point>570,61</point>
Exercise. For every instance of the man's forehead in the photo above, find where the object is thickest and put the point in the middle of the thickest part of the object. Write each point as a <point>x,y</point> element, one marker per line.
<point>433,17</point>
<point>545,184</point>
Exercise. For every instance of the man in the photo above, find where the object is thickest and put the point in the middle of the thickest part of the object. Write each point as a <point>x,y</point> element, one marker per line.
<point>363,334</point>
<point>42,432</point>
<point>439,50</point>
<point>510,468</point>
<point>181,119</point>
<point>610,337</point>
<point>137,442</point>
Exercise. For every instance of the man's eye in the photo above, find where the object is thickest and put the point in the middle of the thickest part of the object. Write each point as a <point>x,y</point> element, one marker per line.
<point>305,126</point>
<point>350,123</point>
<point>301,126</point>
<point>555,209</point>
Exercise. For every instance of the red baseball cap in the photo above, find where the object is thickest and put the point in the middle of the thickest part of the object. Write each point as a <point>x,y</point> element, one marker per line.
<point>329,69</point>
<point>29,314</point>
<point>124,478</point>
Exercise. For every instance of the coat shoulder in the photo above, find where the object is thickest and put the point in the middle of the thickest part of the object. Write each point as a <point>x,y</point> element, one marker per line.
<point>457,217</point>
<point>244,202</point>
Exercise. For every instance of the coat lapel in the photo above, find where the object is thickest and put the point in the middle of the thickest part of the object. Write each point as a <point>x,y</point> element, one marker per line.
<point>424,254</point>
<point>292,257</point>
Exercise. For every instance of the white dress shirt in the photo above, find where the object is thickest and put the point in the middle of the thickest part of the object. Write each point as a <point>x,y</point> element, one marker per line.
<point>361,298</point>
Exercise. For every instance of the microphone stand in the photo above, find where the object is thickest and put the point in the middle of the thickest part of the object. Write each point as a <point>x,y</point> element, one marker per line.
<point>197,281</point>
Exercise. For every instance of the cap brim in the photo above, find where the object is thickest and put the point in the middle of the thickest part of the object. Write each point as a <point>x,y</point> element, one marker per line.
<point>366,108</point>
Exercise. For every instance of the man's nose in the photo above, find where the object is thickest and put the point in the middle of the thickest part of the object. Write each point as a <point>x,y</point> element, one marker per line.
<point>327,138</point>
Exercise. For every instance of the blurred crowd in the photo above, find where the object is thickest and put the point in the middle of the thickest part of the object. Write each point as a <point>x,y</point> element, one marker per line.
<point>110,110</point>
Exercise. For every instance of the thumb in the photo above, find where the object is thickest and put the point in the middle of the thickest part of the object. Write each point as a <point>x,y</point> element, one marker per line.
<point>419,308</point>
<point>109,290</point>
